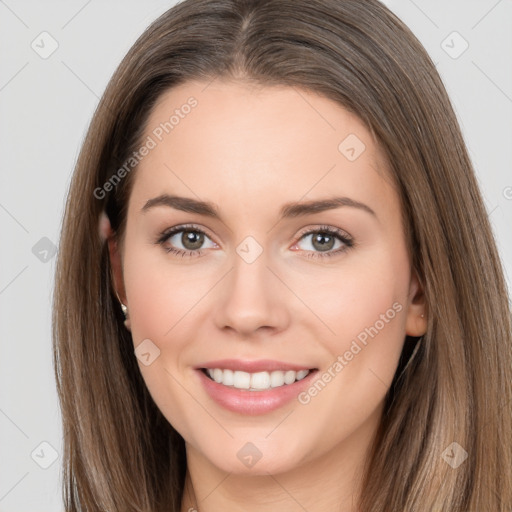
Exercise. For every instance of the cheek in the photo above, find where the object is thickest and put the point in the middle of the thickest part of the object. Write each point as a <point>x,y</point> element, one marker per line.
<point>365,305</point>
<point>167,303</point>
<point>158,294</point>
<point>364,291</point>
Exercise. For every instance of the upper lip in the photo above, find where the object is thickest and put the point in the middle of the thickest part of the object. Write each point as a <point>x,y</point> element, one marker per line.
<point>260,365</point>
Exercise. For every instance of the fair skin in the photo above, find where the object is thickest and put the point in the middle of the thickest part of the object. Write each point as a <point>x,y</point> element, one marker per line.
<point>249,150</point>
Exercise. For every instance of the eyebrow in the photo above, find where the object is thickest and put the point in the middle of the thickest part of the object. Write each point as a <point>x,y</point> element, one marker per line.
<point>289,210</point>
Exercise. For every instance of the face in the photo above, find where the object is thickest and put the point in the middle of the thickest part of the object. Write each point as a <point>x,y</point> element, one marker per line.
<point>306,306</point>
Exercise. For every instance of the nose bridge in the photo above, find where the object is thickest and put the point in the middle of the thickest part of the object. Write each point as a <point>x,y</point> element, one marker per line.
<point>249,274</point>
<point>251,298</point>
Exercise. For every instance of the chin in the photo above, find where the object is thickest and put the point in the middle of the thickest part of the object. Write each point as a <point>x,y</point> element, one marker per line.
<point>258,457</point>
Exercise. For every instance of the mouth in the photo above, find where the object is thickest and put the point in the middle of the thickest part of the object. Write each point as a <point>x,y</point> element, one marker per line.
<point>257,381</point>
<point>253,387</point>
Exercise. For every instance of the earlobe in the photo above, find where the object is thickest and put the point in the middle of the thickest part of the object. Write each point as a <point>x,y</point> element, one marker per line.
<point>416,322</point>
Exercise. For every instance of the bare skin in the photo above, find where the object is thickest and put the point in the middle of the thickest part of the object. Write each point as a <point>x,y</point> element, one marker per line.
<point>249,150</point>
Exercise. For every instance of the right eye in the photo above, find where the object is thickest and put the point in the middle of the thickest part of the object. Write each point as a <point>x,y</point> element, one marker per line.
<point>191,239</point>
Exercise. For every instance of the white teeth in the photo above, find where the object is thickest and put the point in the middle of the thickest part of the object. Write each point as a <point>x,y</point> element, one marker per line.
<point>260,380</point>
<point>276,379</point>
<point>255,381</point>
<point>301,374</point>
<point>241,380</point>
<point>228,377</point>
<point>289,377</point>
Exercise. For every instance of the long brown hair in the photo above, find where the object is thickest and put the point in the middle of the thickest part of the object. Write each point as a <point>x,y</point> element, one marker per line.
<point>119,451</point>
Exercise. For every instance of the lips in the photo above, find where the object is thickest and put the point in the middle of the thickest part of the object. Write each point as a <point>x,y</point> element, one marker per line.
<point>253,387</point>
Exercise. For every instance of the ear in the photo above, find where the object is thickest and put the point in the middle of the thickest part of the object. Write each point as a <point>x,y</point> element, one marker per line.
<point>108,234</point>
<point>116,266</point>
<point>416,325</point>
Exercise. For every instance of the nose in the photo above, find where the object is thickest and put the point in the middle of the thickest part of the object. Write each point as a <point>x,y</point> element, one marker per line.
<point>252,300</point>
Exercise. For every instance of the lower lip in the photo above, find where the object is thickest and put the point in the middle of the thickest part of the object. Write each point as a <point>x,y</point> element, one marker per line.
<point>253,402</point>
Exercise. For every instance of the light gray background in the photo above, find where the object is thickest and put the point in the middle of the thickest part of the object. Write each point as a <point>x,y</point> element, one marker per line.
<point>45,108</point>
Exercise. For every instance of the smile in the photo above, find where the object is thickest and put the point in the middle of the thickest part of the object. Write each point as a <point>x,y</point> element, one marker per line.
<point>253,387</point>
<point>258,381</point>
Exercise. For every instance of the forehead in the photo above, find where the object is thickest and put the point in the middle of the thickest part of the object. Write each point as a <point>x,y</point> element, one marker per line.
<point>222,138</point>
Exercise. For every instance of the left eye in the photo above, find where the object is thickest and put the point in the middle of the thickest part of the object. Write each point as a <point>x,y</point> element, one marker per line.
<point>323,242</point>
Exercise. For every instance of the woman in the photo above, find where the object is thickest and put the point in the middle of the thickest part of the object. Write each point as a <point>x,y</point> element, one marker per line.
<point>295,300</point>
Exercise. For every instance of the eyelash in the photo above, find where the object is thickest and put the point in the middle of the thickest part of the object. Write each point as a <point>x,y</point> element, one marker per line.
<point>337,233</point>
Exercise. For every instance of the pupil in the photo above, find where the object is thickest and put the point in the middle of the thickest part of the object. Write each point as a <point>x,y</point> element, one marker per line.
<point>192,240</point>
<point>321,240</point>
